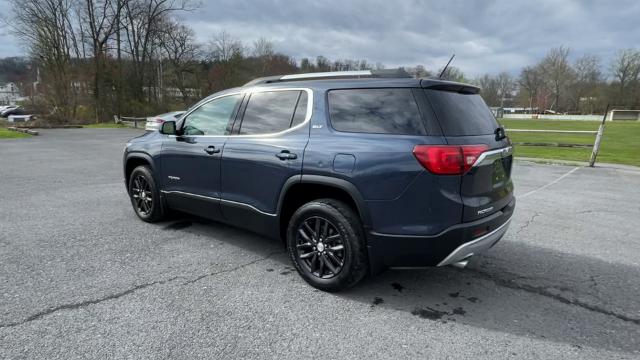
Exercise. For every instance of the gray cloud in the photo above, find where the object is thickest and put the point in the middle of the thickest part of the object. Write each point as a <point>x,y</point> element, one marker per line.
<point>487,36</point>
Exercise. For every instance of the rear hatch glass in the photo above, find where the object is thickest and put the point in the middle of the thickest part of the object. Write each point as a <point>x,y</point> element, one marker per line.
<point>462,114</point>
<point>465,119</point>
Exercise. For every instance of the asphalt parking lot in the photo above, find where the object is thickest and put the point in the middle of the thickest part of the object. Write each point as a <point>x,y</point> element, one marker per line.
<point>82,277</point>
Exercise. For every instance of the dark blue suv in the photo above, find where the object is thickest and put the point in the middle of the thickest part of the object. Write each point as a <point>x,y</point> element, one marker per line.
<point>355,171</point>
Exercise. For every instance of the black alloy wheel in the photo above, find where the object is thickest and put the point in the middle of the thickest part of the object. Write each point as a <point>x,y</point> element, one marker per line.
<point>320,247</point>
<point>326,244</point>
<point>145,195</point>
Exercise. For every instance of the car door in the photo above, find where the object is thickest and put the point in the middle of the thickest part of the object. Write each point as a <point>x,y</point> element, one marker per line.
<point>265,149</point>
<point>190,161</point>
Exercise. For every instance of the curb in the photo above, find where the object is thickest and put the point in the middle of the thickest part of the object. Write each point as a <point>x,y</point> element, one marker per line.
<point>53,127</point>
<point>577,163</point>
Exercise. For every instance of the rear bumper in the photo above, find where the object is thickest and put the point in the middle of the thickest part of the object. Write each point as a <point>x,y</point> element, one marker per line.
<point>476,246</point>
<point>453,245</point>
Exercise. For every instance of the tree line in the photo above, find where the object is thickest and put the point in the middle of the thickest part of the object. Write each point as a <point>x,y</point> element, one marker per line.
<point>91,59</point>
<point>555,83</point>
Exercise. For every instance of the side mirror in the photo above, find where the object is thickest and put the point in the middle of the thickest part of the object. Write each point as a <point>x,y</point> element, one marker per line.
<point>168,128</point>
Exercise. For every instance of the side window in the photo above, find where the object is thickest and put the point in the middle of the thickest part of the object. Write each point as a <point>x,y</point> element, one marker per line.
<point>269,112</point>
<point>212,117</point>
<point>379,111</point>
<point>301,110</point>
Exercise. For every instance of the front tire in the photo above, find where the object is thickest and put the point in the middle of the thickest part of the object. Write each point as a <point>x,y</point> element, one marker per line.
<point>326,243</point>
<point>145,195</point>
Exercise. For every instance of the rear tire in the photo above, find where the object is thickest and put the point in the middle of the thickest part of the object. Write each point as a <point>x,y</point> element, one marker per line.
<point>326,243</point>
<point>145,195</point>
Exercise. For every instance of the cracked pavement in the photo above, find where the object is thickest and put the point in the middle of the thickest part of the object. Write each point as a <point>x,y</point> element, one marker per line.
<point>81,277</point>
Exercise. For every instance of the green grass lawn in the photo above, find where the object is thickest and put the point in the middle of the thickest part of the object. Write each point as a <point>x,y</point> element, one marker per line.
<point>620,143</point>
<point>6,134</point>
<point>107,125</point>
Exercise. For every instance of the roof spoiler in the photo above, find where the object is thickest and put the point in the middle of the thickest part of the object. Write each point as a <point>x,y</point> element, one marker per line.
<point>449,86</point>
<point>384,73</point>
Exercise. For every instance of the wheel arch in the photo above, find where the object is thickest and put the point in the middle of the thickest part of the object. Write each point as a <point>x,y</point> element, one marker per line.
<point>301,189</point>
<point>135,159</point>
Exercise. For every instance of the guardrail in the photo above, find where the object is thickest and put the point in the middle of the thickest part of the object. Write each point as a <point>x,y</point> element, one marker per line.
<point>128,120</point>
<point>22,130</point>
<point>596,144</point>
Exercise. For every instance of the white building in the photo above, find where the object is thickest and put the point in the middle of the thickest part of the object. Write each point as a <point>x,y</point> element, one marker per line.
<point>9,94</point>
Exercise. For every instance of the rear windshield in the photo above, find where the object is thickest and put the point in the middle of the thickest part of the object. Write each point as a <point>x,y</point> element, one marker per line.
<point>462,114</point>
<point>377,111</point>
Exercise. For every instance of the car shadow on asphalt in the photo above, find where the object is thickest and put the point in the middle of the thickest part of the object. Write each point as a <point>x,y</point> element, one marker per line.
<point>515,288</point>
<point>520,289</point>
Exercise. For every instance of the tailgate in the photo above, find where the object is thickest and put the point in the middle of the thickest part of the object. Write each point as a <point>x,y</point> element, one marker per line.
<point>466,120</point>
<point>487,187</point>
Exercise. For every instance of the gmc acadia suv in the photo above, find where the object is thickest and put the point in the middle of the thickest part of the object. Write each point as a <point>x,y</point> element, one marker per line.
<point>355,171</point>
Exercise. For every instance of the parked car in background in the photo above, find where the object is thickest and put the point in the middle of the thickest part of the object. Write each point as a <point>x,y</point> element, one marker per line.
<point>11,110</point>
<point>355,174</point>
<point>155,122</point>
<point>14,118</point>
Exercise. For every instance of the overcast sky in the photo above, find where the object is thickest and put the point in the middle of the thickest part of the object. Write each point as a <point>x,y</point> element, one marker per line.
<point>486,36</point>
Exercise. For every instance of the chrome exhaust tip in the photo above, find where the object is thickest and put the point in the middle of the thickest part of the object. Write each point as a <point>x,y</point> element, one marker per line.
<point>460,264</point>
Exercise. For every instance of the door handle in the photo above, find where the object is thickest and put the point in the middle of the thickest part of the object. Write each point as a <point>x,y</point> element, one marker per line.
<point>211,150</point>
<point>286,155</point>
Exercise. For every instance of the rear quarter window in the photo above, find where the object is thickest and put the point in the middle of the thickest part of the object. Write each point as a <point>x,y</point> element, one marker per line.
<point>461,114</point>
<point>379,111</point>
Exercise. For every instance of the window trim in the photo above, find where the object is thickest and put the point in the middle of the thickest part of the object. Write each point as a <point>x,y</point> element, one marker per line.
<point>234,115</point>
<point>248,92</point>
<point>236,132</point>
<point>422,117</point>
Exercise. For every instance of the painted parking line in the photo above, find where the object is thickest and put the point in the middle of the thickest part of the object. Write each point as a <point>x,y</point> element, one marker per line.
<point>549,184</point>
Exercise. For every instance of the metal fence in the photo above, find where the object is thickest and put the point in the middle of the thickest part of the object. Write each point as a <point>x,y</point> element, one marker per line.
<point>130,121</point>
<point>595,146</point>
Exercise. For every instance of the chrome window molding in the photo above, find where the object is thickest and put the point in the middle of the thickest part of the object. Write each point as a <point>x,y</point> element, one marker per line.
<point>307,117</point>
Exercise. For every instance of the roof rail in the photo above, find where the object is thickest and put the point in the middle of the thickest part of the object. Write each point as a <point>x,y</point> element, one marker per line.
<point>386,73</point>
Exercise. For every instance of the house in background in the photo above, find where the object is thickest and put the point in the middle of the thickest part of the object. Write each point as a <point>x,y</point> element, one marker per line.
<point>9,94</point>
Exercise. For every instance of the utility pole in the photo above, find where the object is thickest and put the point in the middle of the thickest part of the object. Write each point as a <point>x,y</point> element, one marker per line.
<point>119,55</point>
<point>596,145</point>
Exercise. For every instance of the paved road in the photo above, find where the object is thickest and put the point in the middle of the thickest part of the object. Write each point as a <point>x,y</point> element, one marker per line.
<point>82,277</point>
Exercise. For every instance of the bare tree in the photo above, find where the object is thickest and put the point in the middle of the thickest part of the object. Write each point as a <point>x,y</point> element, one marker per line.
<point>48,27</point>
<point>531,81</point>
<point>418,71</point>
<point>98,18</point>
<point>263,51</point>
<point>489,89</point>
<point>557,73</point>
<point>322,64</point>
<point>182,52</point>
<point>223,47</point>
<point>263,48</point>
<point>453,73</point>
<point>142,23</point>
<point>587,77</point>
<point>505,85</point>
<point>625,69</point>
<point>306,65</point>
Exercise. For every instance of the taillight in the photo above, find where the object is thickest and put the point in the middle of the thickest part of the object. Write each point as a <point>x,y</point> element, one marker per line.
<point>471,153</point>
<point>448,159</point>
